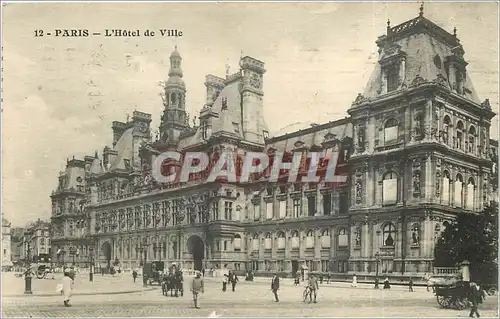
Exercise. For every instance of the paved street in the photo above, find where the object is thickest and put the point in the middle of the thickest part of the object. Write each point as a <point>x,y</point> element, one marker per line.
<point>14,286</point>
<point>250,299</point>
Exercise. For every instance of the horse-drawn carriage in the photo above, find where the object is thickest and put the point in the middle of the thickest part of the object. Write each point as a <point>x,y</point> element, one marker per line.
<point>173,281</point>
<point>454,295</point>
<point>153,272</point>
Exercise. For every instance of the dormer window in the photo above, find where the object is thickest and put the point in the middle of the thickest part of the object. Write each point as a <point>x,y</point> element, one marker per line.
<point>265,134</point>
<point>205,131</point>
<point>392,78</point>
<point>298,144</point>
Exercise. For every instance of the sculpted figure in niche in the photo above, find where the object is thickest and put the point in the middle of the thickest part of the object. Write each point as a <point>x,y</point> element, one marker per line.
<point>416,182</point>
<point>415,235</point>
<point>361,136</point>
<point>418,126</point>
<point>357,237</point>
<point>359,190</point>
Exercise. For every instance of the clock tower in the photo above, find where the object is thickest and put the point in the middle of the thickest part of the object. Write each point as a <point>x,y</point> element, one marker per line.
<point>174,119</point>
<point>254,127</point>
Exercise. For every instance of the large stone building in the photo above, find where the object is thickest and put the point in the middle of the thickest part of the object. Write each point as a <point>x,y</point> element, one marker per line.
<point>416,148</point>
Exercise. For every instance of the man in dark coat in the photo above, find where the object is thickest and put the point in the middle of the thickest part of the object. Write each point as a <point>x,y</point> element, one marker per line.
<point>476,297</point>
<point>275,286</point>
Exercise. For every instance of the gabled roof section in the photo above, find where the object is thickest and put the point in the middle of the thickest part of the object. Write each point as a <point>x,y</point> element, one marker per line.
<point>124,148</point>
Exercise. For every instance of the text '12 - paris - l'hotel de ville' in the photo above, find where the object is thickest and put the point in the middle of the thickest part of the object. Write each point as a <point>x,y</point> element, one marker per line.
<point>416,148</point>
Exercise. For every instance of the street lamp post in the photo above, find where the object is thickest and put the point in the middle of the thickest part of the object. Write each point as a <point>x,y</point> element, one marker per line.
<point>72,253</point>
<point>91,261</point>
<point>144,247</point>
<point>377,259</point>
<point>27,274</point>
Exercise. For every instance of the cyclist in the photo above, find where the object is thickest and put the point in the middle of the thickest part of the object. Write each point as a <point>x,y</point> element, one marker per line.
<point>313,286</point>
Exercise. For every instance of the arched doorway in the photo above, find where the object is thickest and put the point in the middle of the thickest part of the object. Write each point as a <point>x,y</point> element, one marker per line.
<point>196,248</point>
<point>106,253</point>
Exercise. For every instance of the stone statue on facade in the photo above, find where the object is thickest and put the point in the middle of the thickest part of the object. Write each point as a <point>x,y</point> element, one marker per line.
<point>359,190</point>
<point>357,237</point>
<point>415,236</point>
<point>416,182</point>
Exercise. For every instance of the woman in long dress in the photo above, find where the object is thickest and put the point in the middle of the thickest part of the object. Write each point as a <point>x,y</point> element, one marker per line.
<point>354,281</point>
<point>67,285</point>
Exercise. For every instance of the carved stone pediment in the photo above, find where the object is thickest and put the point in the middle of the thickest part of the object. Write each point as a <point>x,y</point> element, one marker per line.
<point>298,144</point>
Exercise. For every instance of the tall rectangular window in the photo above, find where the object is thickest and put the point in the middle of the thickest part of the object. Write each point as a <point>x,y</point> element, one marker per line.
<point>228,210</point>
<point>215,210</point>
<point>327,204</point>
<point>343,203</point>
<point>311,205</point>
<point>392,79</point>
<point>296,208</point>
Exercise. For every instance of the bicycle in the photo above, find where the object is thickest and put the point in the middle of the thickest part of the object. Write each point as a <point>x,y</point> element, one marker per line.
<point>306,294</point>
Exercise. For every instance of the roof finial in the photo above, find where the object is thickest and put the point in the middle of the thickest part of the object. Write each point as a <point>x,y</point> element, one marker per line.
<point>421,9</point>
<point>455,32</point>
<point>176,47</point>
<point>241,55</point>
<point>228,67</point>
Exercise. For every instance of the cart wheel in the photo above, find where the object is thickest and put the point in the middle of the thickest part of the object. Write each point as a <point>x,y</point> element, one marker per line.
<point>443,301</point>
<point>492,291</point>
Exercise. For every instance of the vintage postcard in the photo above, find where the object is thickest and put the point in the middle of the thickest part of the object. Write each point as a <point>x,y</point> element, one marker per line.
<point>249,159</point>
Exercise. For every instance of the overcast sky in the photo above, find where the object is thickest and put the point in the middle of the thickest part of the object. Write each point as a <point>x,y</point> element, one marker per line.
<point>318,57</point>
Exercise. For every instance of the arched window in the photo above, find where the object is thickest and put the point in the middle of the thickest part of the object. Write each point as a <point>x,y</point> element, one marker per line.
<point>446,130</point>
<point>471,194</point>
<point>357,237</point>
<point>310,239</point>
<point>446,188</point>
<point>391,131</point>
<point>459,191</point>
<point>389,234</point>
<point>267,242</point>
<point>460,135</point>
<point>255,242</point>
<point>281,240</point>
<point>390,188</point>
<point>471,145</point>
<point>325,238</point>
<point>237,242</point>
<point>415,234</point>
<point>342,238</point>
<point>295,240</point>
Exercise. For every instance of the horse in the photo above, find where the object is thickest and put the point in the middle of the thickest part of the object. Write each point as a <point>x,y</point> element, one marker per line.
<point>173,282</point>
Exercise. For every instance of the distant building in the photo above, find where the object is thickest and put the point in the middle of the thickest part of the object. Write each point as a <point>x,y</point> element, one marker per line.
<point>36,242</point>
<point>16,244</point>
<point>6,257</point>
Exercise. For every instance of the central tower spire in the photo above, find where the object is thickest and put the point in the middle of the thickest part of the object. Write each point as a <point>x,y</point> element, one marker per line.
<point>174,119</point>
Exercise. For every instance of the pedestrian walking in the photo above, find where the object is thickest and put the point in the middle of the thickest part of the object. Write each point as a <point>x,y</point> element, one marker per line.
<point>376,283</point>
<point>476,296</point>
<point>387,285</point>
<point>225,280</point>
<point>296,281</point>
<point>203,272</point>
<point>275,286</point>
<point>134,274</point>
<point>410,285</point>
<point>354,281</point>
<point>197,286</point>
<point>234,279</point>
<point>314,287</point>
<point>67,287</point>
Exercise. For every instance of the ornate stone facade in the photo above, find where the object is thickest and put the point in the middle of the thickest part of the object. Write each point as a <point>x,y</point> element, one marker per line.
<point>416,148</point>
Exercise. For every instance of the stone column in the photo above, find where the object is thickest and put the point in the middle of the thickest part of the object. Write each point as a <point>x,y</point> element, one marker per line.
<point>319,208</point>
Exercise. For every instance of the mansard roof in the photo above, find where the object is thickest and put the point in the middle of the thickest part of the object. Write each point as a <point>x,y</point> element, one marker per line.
<point>313,136</point>
<point>426,49</point>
